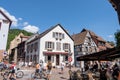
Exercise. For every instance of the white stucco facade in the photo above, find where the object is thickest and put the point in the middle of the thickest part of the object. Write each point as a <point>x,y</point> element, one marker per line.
<point>51,47</point>
<point>4,29</point>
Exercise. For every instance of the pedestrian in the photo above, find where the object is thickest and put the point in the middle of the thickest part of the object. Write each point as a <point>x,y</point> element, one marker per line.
<point>116,72</point>
<point>12,70</point>
<point>103,74</point>
<point>62,66</point>
<point>49,68</point>
<point>30,64</point>
<point>37,68</point>
<point>41,66</point>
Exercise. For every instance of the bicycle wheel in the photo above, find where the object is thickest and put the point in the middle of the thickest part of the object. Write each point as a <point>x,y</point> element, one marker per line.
<point>43,75</point>
<point>32,75</point>
<point>19,74</point>
<point>35,76</point>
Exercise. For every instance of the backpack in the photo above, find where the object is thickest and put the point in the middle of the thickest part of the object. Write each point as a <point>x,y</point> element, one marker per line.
<point>49,66</point>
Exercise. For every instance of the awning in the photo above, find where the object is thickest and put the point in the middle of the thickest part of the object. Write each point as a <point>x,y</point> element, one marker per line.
<point>108,54</point>
<point>52,53</point>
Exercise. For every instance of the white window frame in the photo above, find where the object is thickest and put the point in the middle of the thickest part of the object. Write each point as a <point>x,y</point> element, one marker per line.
<point>49,45</point>
<point>66,46</point>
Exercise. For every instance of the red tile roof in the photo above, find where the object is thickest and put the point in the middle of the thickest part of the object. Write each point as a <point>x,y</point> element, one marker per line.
<point>79,38</point>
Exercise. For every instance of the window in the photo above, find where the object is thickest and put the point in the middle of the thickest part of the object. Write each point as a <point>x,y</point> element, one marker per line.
<point>58,46</point>
<point>66,46</point>
<point>78,48</point>
<point>58,35</point>
<point>28,48</point>
<point>86,49</point>
<point>49,58</point>
<point>49,45</point>
<point>36,46</point>
<point>65,58</point>
<point>31,47</point>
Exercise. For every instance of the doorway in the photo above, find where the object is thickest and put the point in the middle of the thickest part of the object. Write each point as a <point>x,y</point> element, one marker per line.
<point>57,59</point>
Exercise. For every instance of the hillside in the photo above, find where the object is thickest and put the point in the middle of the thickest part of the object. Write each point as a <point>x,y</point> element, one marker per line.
<point>15,32</point>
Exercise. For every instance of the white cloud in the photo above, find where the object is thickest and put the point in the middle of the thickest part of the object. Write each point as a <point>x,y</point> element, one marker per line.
<point>31,28</point>
<point>25,23</point>
<point>18,22</point>
<point>20,19</point>
<point>14,20</point>
<point>110,36</point>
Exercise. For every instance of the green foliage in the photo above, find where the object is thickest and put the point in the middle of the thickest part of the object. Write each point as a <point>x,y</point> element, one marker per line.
<point>15,32</point>
<point>117,37</point>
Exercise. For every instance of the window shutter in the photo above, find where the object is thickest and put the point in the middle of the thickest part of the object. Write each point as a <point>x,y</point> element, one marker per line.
<point>53,34</point>
<point>63,46</point>
<point>46,43</point>
<point>62,36</point>
<point>52,58</point>
<point>53,45</point>
<point>63,58</point>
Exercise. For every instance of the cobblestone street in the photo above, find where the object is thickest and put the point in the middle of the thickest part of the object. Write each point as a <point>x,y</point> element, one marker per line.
<point>56,75</point>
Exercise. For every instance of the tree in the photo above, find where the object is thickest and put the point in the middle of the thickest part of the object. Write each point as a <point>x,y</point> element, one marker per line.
<point>117,38</point>
<point>15,32</point>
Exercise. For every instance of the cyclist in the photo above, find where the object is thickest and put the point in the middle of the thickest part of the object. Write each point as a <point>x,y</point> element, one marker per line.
<point>41,66</point>
<point>37,67</point>
<point>12,70</point>
<point>49,68</point>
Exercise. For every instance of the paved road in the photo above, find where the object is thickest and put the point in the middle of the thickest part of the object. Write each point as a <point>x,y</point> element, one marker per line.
<point>55,74</point>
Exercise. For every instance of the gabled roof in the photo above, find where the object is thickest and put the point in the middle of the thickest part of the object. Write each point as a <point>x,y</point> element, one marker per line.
<point>48,30</point>
<point>79,38</point>
<point>94,35</point>
<point>6,16</point>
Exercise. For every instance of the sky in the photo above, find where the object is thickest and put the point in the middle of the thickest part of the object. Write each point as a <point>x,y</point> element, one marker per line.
<point>39,15</point>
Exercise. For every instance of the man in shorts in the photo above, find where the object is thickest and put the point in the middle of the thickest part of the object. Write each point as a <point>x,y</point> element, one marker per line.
<point>49,68</point>
<point>37,67</point>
